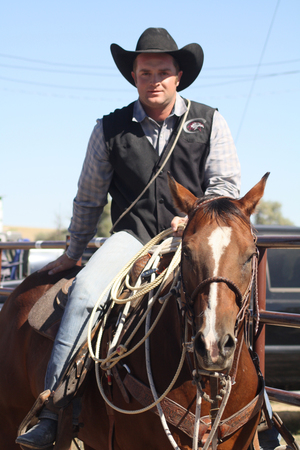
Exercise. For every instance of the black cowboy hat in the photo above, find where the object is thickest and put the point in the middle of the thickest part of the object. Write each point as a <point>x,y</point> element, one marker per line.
<point>158,40</point>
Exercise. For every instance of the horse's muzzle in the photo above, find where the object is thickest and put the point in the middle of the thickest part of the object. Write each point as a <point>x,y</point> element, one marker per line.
<point>214,355</point>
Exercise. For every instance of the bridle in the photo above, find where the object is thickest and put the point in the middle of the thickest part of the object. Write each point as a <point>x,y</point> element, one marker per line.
<point>242,300</point>
<point>225,379</point>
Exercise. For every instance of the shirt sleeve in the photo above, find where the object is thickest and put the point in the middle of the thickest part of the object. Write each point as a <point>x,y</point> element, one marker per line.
<point>92,193</point>
<point>222,169</point>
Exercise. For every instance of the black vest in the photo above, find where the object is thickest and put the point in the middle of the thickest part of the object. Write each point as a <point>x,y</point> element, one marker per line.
<point>135,161</point>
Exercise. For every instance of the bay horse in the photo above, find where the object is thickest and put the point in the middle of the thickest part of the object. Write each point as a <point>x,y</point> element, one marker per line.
<point>218,250</point>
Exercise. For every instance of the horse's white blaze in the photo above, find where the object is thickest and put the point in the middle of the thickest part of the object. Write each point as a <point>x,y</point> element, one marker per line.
<point>218,241</point>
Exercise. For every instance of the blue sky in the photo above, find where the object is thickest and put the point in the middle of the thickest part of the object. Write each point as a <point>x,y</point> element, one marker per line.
<point>57,77</point>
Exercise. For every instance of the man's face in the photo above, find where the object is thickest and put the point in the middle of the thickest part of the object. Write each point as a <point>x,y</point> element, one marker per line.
<point>156,79</point>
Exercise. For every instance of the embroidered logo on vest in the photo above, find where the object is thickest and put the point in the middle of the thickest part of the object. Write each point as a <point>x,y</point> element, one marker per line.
<point>194,125</point>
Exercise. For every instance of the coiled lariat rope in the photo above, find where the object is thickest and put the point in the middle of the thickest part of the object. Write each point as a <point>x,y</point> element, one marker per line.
<point>159,245</point>
<point>117,281</point>
<point>137,292</point>
<point>149,373</point>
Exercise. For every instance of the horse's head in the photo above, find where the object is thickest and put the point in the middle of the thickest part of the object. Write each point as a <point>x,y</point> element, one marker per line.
<point>218,250</point>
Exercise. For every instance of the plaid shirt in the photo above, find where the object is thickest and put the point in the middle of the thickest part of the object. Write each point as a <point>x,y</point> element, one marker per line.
<point>222,170</point>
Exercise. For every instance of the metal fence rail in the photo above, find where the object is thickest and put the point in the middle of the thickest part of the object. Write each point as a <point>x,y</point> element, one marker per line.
<point>28,245</point>
<point>266,317</point>
<point>273,318</point>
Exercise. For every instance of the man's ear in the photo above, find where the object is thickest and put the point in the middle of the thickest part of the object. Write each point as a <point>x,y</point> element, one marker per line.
<point>179,75</point>
<point>133,76</point>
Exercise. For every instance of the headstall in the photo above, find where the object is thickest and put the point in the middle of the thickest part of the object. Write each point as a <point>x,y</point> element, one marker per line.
<point>242,299</point>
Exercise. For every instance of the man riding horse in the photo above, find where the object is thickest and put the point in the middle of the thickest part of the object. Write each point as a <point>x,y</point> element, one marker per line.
<point>126,150</point>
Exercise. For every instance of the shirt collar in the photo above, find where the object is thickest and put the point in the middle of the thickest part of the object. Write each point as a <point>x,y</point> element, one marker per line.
<point>178,110</point>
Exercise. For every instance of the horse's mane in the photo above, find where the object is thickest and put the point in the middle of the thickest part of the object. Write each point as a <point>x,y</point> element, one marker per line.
<point>221,209</point>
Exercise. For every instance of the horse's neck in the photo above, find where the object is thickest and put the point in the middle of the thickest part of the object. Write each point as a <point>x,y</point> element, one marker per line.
<point>172,321</point>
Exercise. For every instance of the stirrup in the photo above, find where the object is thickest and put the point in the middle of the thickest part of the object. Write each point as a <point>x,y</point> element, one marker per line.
<point>31,418</point>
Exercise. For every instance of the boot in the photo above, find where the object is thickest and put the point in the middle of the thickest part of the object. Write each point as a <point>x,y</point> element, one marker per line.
<point>41,436</point>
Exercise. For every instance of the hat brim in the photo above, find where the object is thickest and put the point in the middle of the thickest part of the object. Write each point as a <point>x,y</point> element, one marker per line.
<point>190,60</point>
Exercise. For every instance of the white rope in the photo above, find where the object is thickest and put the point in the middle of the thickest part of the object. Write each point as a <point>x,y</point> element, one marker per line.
<point>147,408</point>
<point>125,269</point>
<point>115,285</point>
<point>120,325</point>
<point>151,381</point>
<point>197,420</point>
<point>116,355</point>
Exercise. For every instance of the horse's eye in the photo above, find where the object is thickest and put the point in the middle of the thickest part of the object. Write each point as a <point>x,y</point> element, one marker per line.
<point>249,259</point>
<point>186,253</point>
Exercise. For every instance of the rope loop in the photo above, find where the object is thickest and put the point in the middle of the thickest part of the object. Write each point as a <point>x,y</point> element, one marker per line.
<point>162,243</point>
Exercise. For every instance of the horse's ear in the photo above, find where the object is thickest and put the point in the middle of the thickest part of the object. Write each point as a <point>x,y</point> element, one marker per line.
<point>249,202</point>
<point>183,199</point>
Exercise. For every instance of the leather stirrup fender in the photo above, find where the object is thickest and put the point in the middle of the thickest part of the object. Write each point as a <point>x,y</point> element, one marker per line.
<point>281,428</point>
<point>65,429</point>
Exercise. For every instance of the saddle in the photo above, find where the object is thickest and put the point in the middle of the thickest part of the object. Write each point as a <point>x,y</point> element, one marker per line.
<point>46,314</point>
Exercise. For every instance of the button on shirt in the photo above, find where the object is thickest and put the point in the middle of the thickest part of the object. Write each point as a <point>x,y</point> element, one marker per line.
<point>222,169</point>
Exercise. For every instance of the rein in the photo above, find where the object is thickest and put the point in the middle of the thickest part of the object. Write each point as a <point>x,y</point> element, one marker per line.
<point>242,299</point>
<point>117,351</point>
<point>226,380</point>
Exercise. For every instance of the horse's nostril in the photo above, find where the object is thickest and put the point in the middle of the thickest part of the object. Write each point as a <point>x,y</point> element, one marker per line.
<point>228,345</point>
<point>199,345</point>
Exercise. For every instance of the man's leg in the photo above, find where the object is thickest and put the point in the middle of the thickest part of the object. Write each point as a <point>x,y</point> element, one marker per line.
<point>87,287</point>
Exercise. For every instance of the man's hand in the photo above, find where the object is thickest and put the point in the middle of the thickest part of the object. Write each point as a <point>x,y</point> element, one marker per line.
<point>60,264</point>
<point>178,224</point>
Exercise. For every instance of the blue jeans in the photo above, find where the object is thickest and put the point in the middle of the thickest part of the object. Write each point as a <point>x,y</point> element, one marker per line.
<point>87,287</point>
